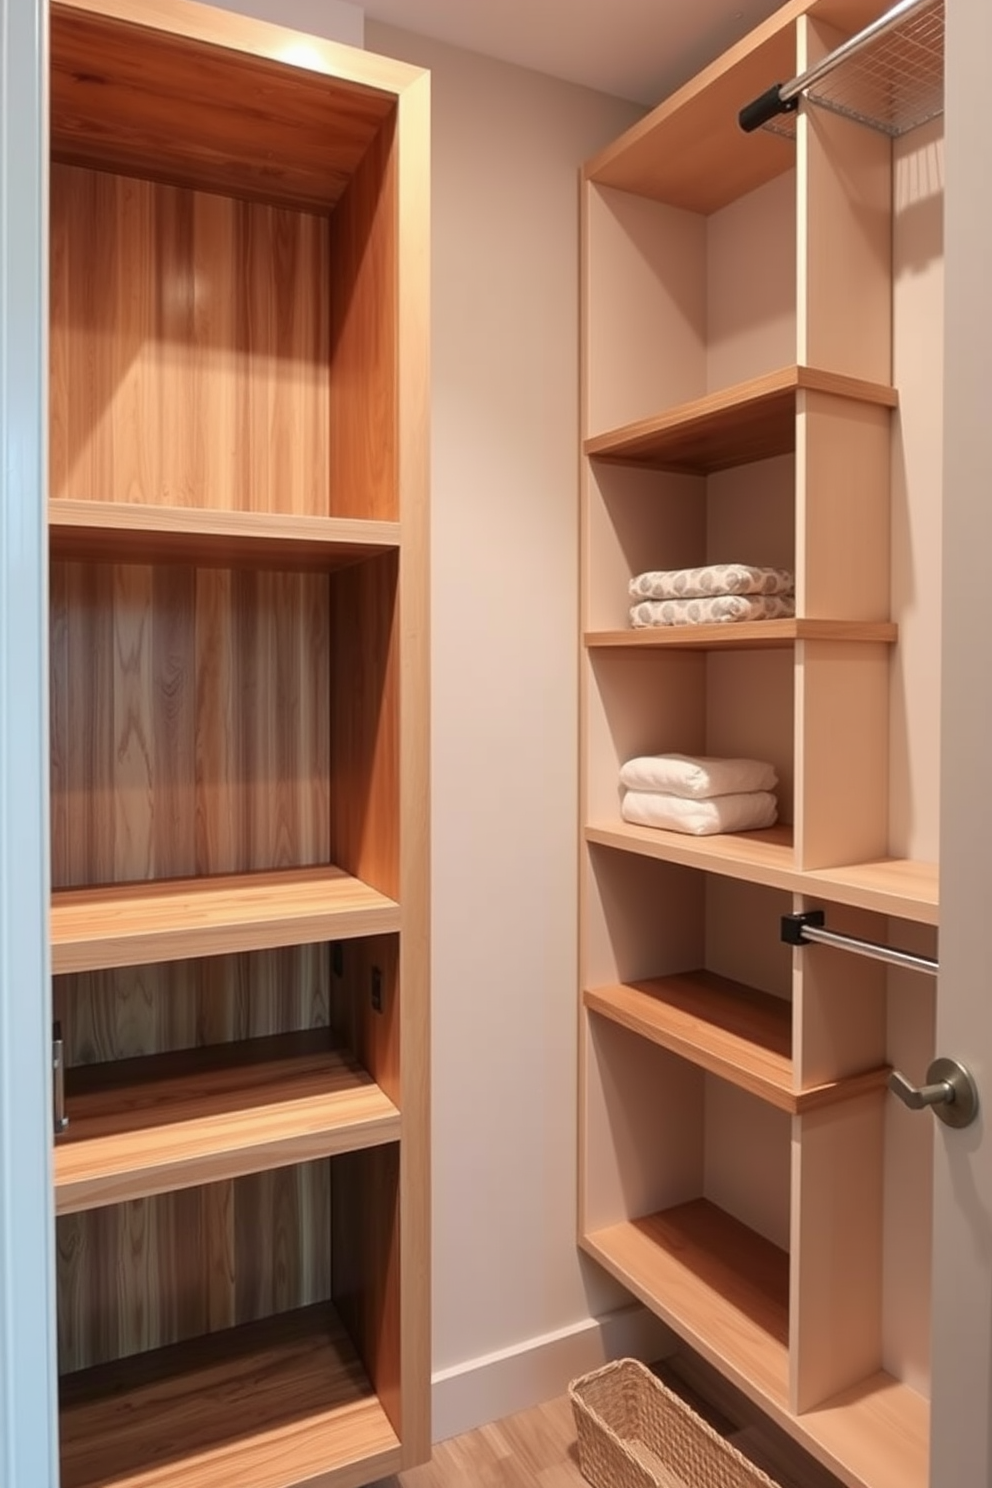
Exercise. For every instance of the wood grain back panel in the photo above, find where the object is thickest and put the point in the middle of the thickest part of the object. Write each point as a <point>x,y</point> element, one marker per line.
<point>132,1011</point>
<point>190,722</point>
<point>133,1277</point>
<point>364,309</point>
<point>189,348</point>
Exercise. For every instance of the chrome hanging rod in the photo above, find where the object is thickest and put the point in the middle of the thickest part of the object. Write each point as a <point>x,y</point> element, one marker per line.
<point>783,98</point>
<point>808,928</point>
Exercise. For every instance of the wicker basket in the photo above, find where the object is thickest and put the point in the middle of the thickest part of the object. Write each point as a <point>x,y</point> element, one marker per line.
<point>636,1433</point>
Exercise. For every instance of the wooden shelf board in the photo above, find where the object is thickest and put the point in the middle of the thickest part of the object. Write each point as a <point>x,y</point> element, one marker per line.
<point>118,532</point>
<point>175,919</point>
<point>277,1404</point>
<point>734,1031</point>
<point>763,857</point>
<point>874,1435</point>
<point>895,886</point>
<point>145,1126</point>
<point>753,420</point>
<point>746,635</point>
<point>720,1286</point>
<point>690,151</point>
<point>172,91</point>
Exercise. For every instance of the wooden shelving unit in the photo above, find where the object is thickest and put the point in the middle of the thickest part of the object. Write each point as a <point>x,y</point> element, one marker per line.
<point>239,643</point>
<point>738,400</point>
<point>276,1403</point>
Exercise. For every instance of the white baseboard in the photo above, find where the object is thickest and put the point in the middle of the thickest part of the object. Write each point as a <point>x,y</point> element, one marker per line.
<point>529,1373</point>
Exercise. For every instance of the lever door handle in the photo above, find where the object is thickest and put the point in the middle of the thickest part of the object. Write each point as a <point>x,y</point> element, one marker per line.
<point>949,1089</point>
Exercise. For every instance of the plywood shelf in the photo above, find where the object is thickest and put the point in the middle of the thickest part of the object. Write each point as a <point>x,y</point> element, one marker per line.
<point>753,420</point>
<point>145,1126</point>
<point>731,1030</point>
<point>176,919</point>
<point>894,886</point>
<point>277,1404</point>
<point>720,1286</point>
<point>746,635</point>
<point>764,857</point>
<point>124,532</point>
<point>689,151</point>
<point>876,1434</point>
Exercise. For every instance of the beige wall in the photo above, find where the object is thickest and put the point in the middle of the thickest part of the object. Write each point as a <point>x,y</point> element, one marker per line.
<point>506,152</point>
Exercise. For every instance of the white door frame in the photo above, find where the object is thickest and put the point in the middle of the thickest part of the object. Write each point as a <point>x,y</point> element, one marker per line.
<point>28,1391</point>
<point>961,1451</point>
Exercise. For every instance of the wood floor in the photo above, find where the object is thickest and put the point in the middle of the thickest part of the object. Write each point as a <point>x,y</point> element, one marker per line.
<point>536,1448</point>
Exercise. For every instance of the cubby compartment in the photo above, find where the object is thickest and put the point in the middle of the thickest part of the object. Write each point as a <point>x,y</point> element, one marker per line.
<point>217,1326</point>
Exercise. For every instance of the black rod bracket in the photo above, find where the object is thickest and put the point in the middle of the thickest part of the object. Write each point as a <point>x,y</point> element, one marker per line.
<point>793,926</point>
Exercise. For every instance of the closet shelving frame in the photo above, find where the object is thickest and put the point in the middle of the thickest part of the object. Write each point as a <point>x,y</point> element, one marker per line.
<point>738,399</point>
<point>239,630</point>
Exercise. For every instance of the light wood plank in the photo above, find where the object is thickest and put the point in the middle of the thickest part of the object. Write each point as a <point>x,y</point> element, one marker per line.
<point>279,1404</point>
<point>141,1127</point>
<point>132,924</point>
<point>729,1029</point>
<point>178,92</point>
<point>753,420</point>
<point>744,635</point>
<point>763,857</point>
<point>117,532</point>
<point>722,1288</point>
<point>874,1435</point>
<point>893,886</point>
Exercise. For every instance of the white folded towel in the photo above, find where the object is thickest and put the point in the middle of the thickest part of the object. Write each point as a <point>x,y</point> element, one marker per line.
<point>714,610</point>
<point>715,578</point>
<point>742,812</point>
<point>696,777</point>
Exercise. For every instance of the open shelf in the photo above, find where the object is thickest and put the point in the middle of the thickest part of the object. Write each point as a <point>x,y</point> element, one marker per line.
<point>139,1127</point>
<point>276,1404</point>
<point>876,1434</point>
<point>893,886</point>
<point>763,857</point>
<point>731,1030</point>
<point>754,420</point>
<point>722,1287</point>
<point>125,532</point>
<point>177,919</point>
<point>744,635</point>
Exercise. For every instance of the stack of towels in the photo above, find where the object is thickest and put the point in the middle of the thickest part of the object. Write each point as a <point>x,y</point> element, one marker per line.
<point>718,593</point>
<point>685,793</point>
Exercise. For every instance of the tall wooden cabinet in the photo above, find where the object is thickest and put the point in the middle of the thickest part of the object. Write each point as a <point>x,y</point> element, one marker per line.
<point>238,519</point>
<point>736,1156</point>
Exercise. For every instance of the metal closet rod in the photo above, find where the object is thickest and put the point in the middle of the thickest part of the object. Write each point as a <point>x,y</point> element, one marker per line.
<point>783,98</point>
<point>803,929</point>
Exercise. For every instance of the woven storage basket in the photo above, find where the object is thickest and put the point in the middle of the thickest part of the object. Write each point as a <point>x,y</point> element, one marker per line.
<point>636,1433</point>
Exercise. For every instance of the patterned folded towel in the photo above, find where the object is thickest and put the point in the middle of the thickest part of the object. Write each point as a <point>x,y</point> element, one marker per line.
<point>715,578</point>
<point>719,609</point>
<point>743,812</point>
<point>696,777</point>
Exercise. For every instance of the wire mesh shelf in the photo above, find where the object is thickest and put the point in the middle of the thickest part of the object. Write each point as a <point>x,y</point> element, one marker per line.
<point>893,83</point>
